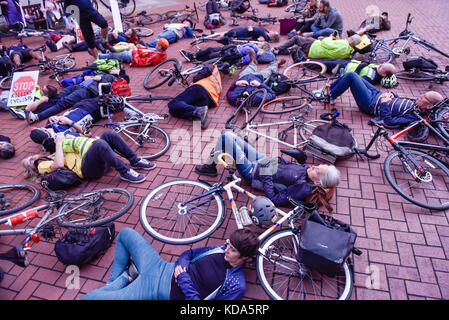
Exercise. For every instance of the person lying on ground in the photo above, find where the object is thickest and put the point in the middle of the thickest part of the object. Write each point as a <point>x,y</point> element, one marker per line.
<point>250,33</point>
<point>213,18</point>
<point>7,149</point>
<point>208,273</point>
<point>172,33</point>
<point>387,107</point>
<point>89,158</point>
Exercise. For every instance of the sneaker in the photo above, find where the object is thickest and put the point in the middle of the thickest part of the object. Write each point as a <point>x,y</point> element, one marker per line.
<point>107,46</point>
<point>187,55</point>
<point>207,170</point>
<point>133,176</point>
<point>143,164</point>
<point>31,117</point>
<point>291,34</point>
<point>19,114</point>
<point>201,113</point>
<point>308,34</point>
<point>320,93</point>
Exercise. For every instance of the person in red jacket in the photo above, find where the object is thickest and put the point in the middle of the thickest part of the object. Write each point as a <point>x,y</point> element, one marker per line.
<point>140,56</point>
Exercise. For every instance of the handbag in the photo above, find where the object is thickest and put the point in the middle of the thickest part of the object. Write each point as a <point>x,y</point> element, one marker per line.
<point>81,245</point>
<point>325,243</point>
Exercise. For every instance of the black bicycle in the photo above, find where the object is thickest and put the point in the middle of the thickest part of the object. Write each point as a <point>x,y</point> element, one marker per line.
<point>126,7</point>
<point>417,74</point>
<point>418,171</point>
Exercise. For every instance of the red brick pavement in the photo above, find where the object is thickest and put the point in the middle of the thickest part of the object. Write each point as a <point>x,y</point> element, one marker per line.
<point>405,247</point>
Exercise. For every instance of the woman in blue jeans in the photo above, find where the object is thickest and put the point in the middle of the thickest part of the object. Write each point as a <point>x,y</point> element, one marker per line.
<point>205,273</point>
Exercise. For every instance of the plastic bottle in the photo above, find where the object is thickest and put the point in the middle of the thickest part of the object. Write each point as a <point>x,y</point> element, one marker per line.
<point>21,217</point>
<point>130,111</point>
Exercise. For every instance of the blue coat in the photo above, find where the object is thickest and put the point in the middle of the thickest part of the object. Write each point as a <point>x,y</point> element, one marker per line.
<point>234,92</point>
<point>233,287</point>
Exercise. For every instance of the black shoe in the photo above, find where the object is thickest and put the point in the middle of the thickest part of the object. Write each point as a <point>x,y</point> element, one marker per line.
<point>52,45</point>
<point>207,170</point>
<point>187,55</point>
<point>67,46</point>
<point>107,46</point>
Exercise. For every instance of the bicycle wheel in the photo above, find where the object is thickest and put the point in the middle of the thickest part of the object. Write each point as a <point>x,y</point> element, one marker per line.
<point>166,216</point>
<point>147,140</point>
<point>64,63</point>
<point>284,278</point>
<point>15,197</point>
<point>306,129</point>
<point>127,7</point>
<point>94,208</point>
<point>381,55</point>
<point>169,14</point>
<point>143,31</point>
<point>244,113</point>
<point>150,18</point>
<point>414,75</point>
<point>182,19</point>
<point>443,125</point>
<point>306,70</point>
<point>160,74</point>
<point>5,83</point>
<point>284,105</point>
<point>428,188</point>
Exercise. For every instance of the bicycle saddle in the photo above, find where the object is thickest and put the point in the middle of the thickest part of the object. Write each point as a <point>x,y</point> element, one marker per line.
<point>299,155</point>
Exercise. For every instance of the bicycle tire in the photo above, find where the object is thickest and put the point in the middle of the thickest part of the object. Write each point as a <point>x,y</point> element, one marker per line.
<point>304,71</point>
<point>25,194</point>
<point>118,204</point>
<point>64,64</point>
<point>414,75</point>
<point>131,5</point>
<point>282,105</point>
<point>162,208</point>
<point>158,75</point>
<point>237,122</point>
<point>283,277</point>
<point>5,83</point>
<point>154,143</point>
<point>169,14</point>
<point>427,192</point>
<point>150,18</point>
<point>381,55</point>
<point>443,127</point>
<point>143,31</point>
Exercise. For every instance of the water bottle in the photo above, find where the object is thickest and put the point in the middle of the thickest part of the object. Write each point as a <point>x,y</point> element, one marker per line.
<point>22,217</point>
<point>244,214</point>
<point>130,112</point>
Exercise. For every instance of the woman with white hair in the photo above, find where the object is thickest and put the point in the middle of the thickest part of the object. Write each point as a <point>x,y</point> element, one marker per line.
<point>278,178</point>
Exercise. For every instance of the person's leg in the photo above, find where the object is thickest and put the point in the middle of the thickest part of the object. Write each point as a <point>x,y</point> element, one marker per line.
<point>361,89</point>
<point>116,142</point>
<point>124,56</point>
<point>249,69</point>
<point>169,35</point>
<point>290,42</point>
<point>185,104</point>
<point>323,32</point>
<point>88,34</point>
<point>268,71</point>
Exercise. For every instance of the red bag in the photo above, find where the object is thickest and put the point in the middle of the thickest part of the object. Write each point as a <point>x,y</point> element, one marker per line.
<point>121,87</point>
<point>55,36</point>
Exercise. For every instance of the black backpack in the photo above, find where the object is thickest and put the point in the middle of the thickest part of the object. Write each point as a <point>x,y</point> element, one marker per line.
<point>420,63</point>
<point>277,83</point>
<point>81,245</point>
<point>61,179</point>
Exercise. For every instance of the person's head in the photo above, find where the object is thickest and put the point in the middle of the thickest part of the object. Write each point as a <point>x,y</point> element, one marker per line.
<point>326,176</point>
<point>274,36</point>
<point>44,137</point>
<point>215,21</point>
<point>428,100</point>
<point>354,40</point>
<point>31,172</point>
<point>131,32</point>
<point>6,150</point>
<point>49,91</point>
<point>386,70</point>
<point>324,6</point>
<point>242,245</point>
<point>372,11</point>
<point>162,44</point>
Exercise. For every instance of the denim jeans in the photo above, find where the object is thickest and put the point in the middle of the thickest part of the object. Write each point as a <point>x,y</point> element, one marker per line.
<point>124,56</point>
<point>244,154</point>
<point>169,35</point>
<point>322,32</point>
<point>364,93</point>
<point>153,281</point>
<point>102,155</point>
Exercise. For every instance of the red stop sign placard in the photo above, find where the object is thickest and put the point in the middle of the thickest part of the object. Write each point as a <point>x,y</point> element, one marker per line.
<point>23,86</point>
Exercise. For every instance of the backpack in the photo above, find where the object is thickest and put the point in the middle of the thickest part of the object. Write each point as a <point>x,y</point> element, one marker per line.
<point>420,63</point>
<point>6,66</point>
<point>277,83</point>
<point>81,245</point>
<point>239,6</point>
<point>365,45</point>
<point>105,65</point>
<point>333,138</point>
<point>61,179</point>
<point>121,87</point>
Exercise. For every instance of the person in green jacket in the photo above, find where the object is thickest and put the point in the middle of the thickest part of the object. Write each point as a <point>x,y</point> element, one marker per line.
<point>327,48</point>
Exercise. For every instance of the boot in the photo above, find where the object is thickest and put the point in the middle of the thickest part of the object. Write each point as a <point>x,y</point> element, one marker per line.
<point>207,170</point>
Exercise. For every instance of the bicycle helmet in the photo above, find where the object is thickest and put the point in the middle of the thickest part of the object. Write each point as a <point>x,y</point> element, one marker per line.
<point>389,82</point>
<point>262,212</point>
<point>420,133</point>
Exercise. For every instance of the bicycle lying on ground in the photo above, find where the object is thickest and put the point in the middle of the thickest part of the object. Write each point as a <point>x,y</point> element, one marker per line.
<point>57,65</point>
<point>187,211</point>
<point>417,74</point>
<point>384,50</point>
<point>126,7</point>
<point>255,18</point>
<point>138,129</point>
<point>173,16</point>
<point>416,170</point>
<point>86,210</point>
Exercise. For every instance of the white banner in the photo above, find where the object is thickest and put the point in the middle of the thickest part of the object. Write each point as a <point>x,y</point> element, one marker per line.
<point>22,88</point>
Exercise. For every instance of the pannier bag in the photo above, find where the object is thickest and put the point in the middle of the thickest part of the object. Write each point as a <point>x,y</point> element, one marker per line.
<point>61,179</point>
<point>81,245</point>
<point>420,63</point>
<point>325,243</point>
<point>286,25</point>
<point>334,138</point>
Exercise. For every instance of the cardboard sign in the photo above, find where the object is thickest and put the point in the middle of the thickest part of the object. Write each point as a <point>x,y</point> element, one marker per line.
<point>22,88</point>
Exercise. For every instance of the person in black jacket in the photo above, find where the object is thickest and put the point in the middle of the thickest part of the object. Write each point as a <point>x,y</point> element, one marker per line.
<point>279,179</point>
<point>6,147</point>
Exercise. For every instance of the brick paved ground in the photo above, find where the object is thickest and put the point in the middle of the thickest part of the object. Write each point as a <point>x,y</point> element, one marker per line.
<point>404,246</point>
